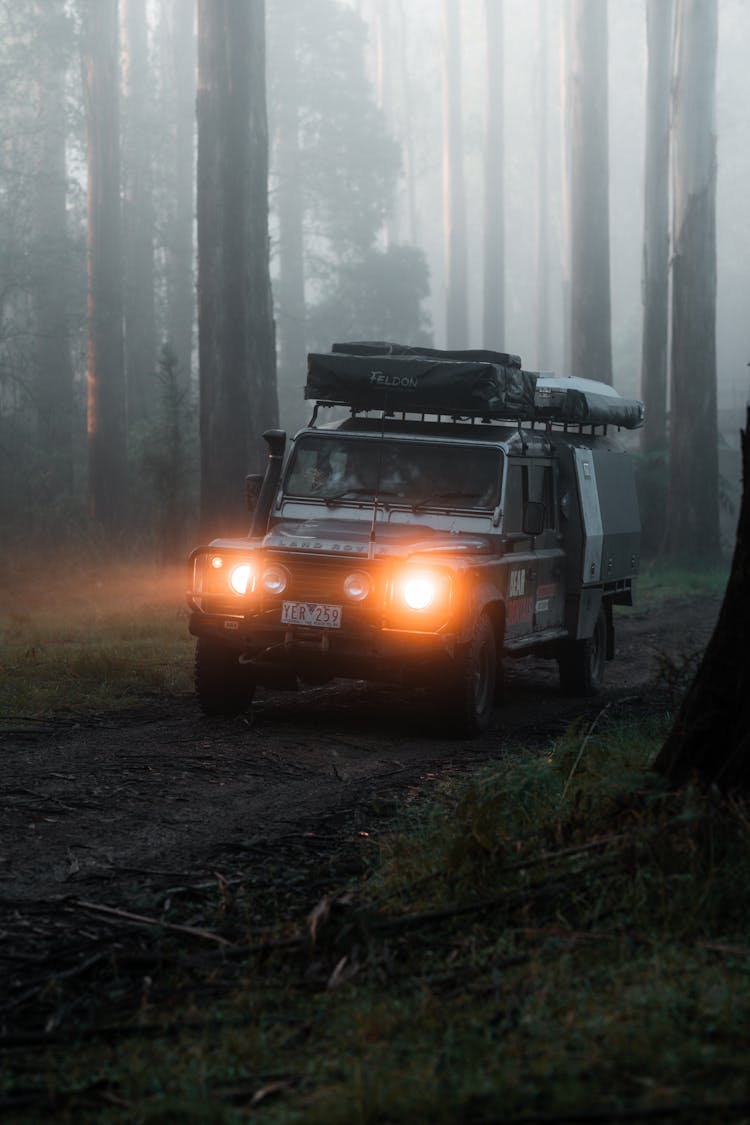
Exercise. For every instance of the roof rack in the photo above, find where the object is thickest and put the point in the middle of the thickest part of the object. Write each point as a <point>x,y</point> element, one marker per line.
<point>395,378</point>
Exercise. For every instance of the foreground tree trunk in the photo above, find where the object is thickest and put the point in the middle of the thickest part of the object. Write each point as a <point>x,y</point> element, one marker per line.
<point>692,531</point>
<point>710,739</point>
<point>107,427</point>
<point>235,317</point>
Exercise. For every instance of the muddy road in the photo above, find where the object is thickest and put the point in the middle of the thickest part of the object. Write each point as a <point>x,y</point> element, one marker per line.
<point>91,807</point>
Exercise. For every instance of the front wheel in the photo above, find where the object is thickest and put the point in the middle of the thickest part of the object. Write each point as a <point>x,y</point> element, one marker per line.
<point>224,686</point>
<point>468,690</point>
<point>581,662</point>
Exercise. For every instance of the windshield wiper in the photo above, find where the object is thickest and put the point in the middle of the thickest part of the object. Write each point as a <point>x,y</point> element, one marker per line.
<point>458,494</point>
<point>339,496</point>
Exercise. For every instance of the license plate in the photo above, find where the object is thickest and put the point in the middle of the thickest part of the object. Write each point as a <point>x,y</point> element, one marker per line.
<point>311,613</point>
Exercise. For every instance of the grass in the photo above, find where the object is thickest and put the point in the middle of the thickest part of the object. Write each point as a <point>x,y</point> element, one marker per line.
<point>81,638</point>
<point>659,581</point>
<point>557,938</point>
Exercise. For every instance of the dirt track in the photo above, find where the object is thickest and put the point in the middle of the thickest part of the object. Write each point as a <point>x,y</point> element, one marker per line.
<point>88,809</point>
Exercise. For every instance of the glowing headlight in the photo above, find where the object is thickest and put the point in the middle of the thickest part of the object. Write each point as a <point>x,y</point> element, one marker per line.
<point>274,579</point>
<point>419,591</point>
<point>241,578</point>
<point>357,586</point>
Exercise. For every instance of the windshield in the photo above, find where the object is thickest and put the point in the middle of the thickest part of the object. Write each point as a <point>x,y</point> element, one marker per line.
<point>341,470</point>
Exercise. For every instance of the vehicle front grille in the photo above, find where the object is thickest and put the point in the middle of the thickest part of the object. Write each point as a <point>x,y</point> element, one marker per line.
<point>322,579</point>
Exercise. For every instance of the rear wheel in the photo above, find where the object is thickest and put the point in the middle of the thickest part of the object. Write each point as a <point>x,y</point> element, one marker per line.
<point>468,691</point>
<point>223,685</point>
<point>581,663</point>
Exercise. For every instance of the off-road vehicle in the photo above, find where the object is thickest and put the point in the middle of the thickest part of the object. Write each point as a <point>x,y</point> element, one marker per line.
<point>457,511</point>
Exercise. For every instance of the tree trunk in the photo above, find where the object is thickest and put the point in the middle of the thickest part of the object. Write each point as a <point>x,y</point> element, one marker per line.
<point>659,21</point>
<point>710,739</point>
<point>178,85</point>
<point>236,335</point>
<point>407,130</point>
<point>493,331</point>
<point>107,428</point>
<point>543,199</point>
<point>692,531</point>
<point>591,331</point>
<point>138,215</point>
<point>290,287</point>
<point>454,206</point>
<point>54,392</point>
<point>566,109</point>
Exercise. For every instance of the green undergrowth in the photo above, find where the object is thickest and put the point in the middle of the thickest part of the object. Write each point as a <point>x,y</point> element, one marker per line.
<point>81,638</point>
<point>660,581</point>
<point>558,938</point>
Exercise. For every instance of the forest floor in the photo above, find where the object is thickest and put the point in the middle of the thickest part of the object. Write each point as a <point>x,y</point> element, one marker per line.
<point>88,805</point>
<point>150,857</point>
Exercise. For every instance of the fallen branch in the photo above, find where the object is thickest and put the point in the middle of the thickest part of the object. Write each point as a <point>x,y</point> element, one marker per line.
<point>143,920</point>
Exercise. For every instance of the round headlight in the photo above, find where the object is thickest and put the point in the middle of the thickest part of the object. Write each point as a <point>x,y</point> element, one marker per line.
<point>357,586</point>
<point>274,579</point>
<point>241,578</point>
<point>419,591</point>
<point>217,562</point>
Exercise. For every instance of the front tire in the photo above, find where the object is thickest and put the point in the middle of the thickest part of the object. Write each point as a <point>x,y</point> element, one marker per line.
<point>468,691</point>
<point>224,687</point>
<point>581,662</point>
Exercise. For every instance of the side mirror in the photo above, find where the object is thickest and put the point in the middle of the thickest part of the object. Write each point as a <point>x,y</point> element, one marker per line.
<point>533,518</point>
<point>253,483</point>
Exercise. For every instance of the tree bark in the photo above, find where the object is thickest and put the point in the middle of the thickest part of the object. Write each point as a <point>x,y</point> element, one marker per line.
<point>566,110</point>
<point>178,51</point>
<point>236,334</point>
<point>107,427</point>
<point>591,330</point>
<point>692,531</point>
<point>138,215</point>
<point>655,294</point>
<point>710,739</point>
<point>543,199</point>
<point>54,392</point>
<point>290,287</point>
<point>454,205</point>
<point>493,331</point>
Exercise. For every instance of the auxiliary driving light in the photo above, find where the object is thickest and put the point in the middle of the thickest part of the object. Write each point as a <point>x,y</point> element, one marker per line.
<point>357,585</point>
<point>274,579</point>
<point>241,578</point>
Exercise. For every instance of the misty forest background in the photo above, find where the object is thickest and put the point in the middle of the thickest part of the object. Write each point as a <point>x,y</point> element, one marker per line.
<point>195,194</point>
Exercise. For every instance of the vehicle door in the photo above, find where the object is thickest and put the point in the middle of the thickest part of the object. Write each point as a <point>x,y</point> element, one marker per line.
<point>519,570</point>
<point>549,557</point>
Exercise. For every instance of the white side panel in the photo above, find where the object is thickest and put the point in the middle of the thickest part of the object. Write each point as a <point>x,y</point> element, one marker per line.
<point>592,517</point>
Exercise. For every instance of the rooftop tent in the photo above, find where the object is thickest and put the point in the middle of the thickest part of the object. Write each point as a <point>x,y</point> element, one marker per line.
<point>379,348</point>
<point>397,378</point>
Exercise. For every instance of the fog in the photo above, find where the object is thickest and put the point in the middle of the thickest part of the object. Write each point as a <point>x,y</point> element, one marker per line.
<point>345,124</point>
<point>521,64</point>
